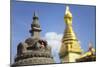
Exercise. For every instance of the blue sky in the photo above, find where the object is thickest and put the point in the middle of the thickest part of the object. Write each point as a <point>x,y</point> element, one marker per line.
<point>51,18</point>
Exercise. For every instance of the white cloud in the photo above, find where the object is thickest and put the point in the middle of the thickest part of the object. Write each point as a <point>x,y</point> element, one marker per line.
<point>54,40</point>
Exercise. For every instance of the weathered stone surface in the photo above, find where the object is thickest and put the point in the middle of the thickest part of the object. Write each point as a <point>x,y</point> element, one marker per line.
<point>39,55</point>
<point>33,50</point>
<point>34,60</point>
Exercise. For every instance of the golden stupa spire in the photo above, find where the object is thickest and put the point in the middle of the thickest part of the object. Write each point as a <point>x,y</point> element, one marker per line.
<point>67,9</point>
<point>70,44</point>
<point>68,16</point>
<point>69,33</point>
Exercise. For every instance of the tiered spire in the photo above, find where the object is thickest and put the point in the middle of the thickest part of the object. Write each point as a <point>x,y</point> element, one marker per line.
<point>70,43</point>
<point>69,33</point>
<point>69,37</point>
<point>35,27</point>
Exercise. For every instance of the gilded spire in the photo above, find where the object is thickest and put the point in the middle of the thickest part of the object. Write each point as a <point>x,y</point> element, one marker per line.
<point>69,33</point>
<point>68,16</point>
<point>67,12</point>
<point>70,44</point>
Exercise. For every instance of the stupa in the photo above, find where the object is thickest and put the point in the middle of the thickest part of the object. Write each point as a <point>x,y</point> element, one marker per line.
<point>33,50</point>
<point>70,49</point>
